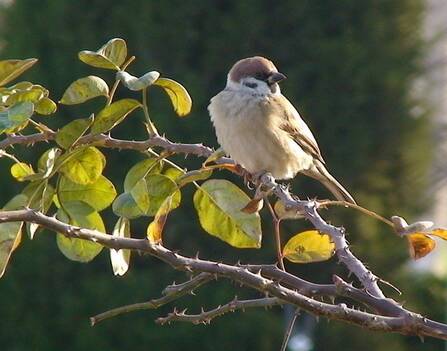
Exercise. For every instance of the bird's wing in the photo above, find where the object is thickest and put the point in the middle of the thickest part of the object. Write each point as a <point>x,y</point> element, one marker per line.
<point>293,124</point>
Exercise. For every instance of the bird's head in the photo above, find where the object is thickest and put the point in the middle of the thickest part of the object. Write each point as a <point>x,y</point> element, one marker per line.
<point>256,75</point>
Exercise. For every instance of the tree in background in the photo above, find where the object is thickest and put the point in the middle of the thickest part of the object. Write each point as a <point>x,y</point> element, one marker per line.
<point>348,68</point>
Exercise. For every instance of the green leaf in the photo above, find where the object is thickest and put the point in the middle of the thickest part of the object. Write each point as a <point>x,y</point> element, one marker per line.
<point>85,166</point>
<point>113,114</point>
<point>15,117</point>
<point>155,228</point>
<point>173,173</point>
<point>21,170</point>
<point>309,246</point>
<point>10,69</point>
<point>141,195</point>
<point>141,169</point>
<point>40,195</point>
<point>218,204</point>
<point>46,162</point>
<point>179,96</point>
<point>99,194</point>
<point>81,215</point>
<point>72,131</point>
<point>84,89</point>
<point>284,213</point>
<point>45,106</point>
<point>111,55</point>
<point>134,83</point>
<point>216,155</point>
<point>34,94</point>
<point>158,188</point>
<point>192,176</point>
<point>125,206</point>
<point>120,258</point>
<point>10,233</point>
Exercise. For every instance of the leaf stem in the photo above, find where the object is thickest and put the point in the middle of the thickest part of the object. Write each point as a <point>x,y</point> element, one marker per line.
<point>358,208</point>
<point>115,85</point>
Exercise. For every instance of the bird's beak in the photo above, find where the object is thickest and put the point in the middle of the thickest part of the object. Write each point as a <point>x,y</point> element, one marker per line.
<point>275,77</point>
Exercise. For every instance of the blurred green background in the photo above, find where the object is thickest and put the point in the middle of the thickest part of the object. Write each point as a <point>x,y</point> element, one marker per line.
<point>351,66</point>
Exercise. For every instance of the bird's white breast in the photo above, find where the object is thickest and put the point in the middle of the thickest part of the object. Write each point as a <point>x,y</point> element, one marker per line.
<point>252,136</point>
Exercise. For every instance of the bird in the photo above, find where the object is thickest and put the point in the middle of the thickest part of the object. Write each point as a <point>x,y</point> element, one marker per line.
<point>260,129</point>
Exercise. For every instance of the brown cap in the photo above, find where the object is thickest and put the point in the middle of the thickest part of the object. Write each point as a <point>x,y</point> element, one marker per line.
<point>257,67</point>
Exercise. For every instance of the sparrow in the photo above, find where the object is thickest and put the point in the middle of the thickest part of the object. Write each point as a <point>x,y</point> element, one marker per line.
<point>261,130</point>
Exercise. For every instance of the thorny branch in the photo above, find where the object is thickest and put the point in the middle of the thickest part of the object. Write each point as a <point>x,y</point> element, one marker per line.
<point>280,287</point>
<point>404,321</point>
<point>205,317</point>
<point>172,292</point>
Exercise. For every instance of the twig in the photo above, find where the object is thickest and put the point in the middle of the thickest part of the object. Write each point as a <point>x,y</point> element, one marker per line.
<point>173,292</point>
<point>276,228</point>
<point>205,317</point>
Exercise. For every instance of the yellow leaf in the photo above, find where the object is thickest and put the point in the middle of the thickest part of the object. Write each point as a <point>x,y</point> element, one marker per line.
<point>218,203</point>
<point>21,170</point>
<point>111,55</point>
<point>82,215</point>
<point>45,106</point>
<point>440,233</point>
<point>309,246</point>
<point>10,69</point>
<point>155,228</point>
<point>99,194</point>
<point>179,96</point>
<point>420,245</point>
<point>113,114</point>
<point>219,153</point>
<point>284,213</point>
<point>84,89</point>
<point>10,233</point>
<point>85,166</point>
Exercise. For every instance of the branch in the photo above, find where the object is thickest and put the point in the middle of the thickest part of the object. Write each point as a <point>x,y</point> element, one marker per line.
<point>31,139</point>
<point>406,323</point>
<point>107,141</point>
<point>173,292</point>
<point>383,306</point>
<point>205,317</point>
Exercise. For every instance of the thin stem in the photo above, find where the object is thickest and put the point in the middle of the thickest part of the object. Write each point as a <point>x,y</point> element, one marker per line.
<point>276,227</point>
<point>59,198</point>
<point>357,207</point>
<point>150,126</point>
<point>288,332</point>
<point>117,82</point>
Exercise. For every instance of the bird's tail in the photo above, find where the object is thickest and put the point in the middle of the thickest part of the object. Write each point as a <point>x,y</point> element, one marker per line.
<point>320,173</point>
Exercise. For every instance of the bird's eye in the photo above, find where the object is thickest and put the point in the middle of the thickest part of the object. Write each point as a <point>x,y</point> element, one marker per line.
<point>251,85</point>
